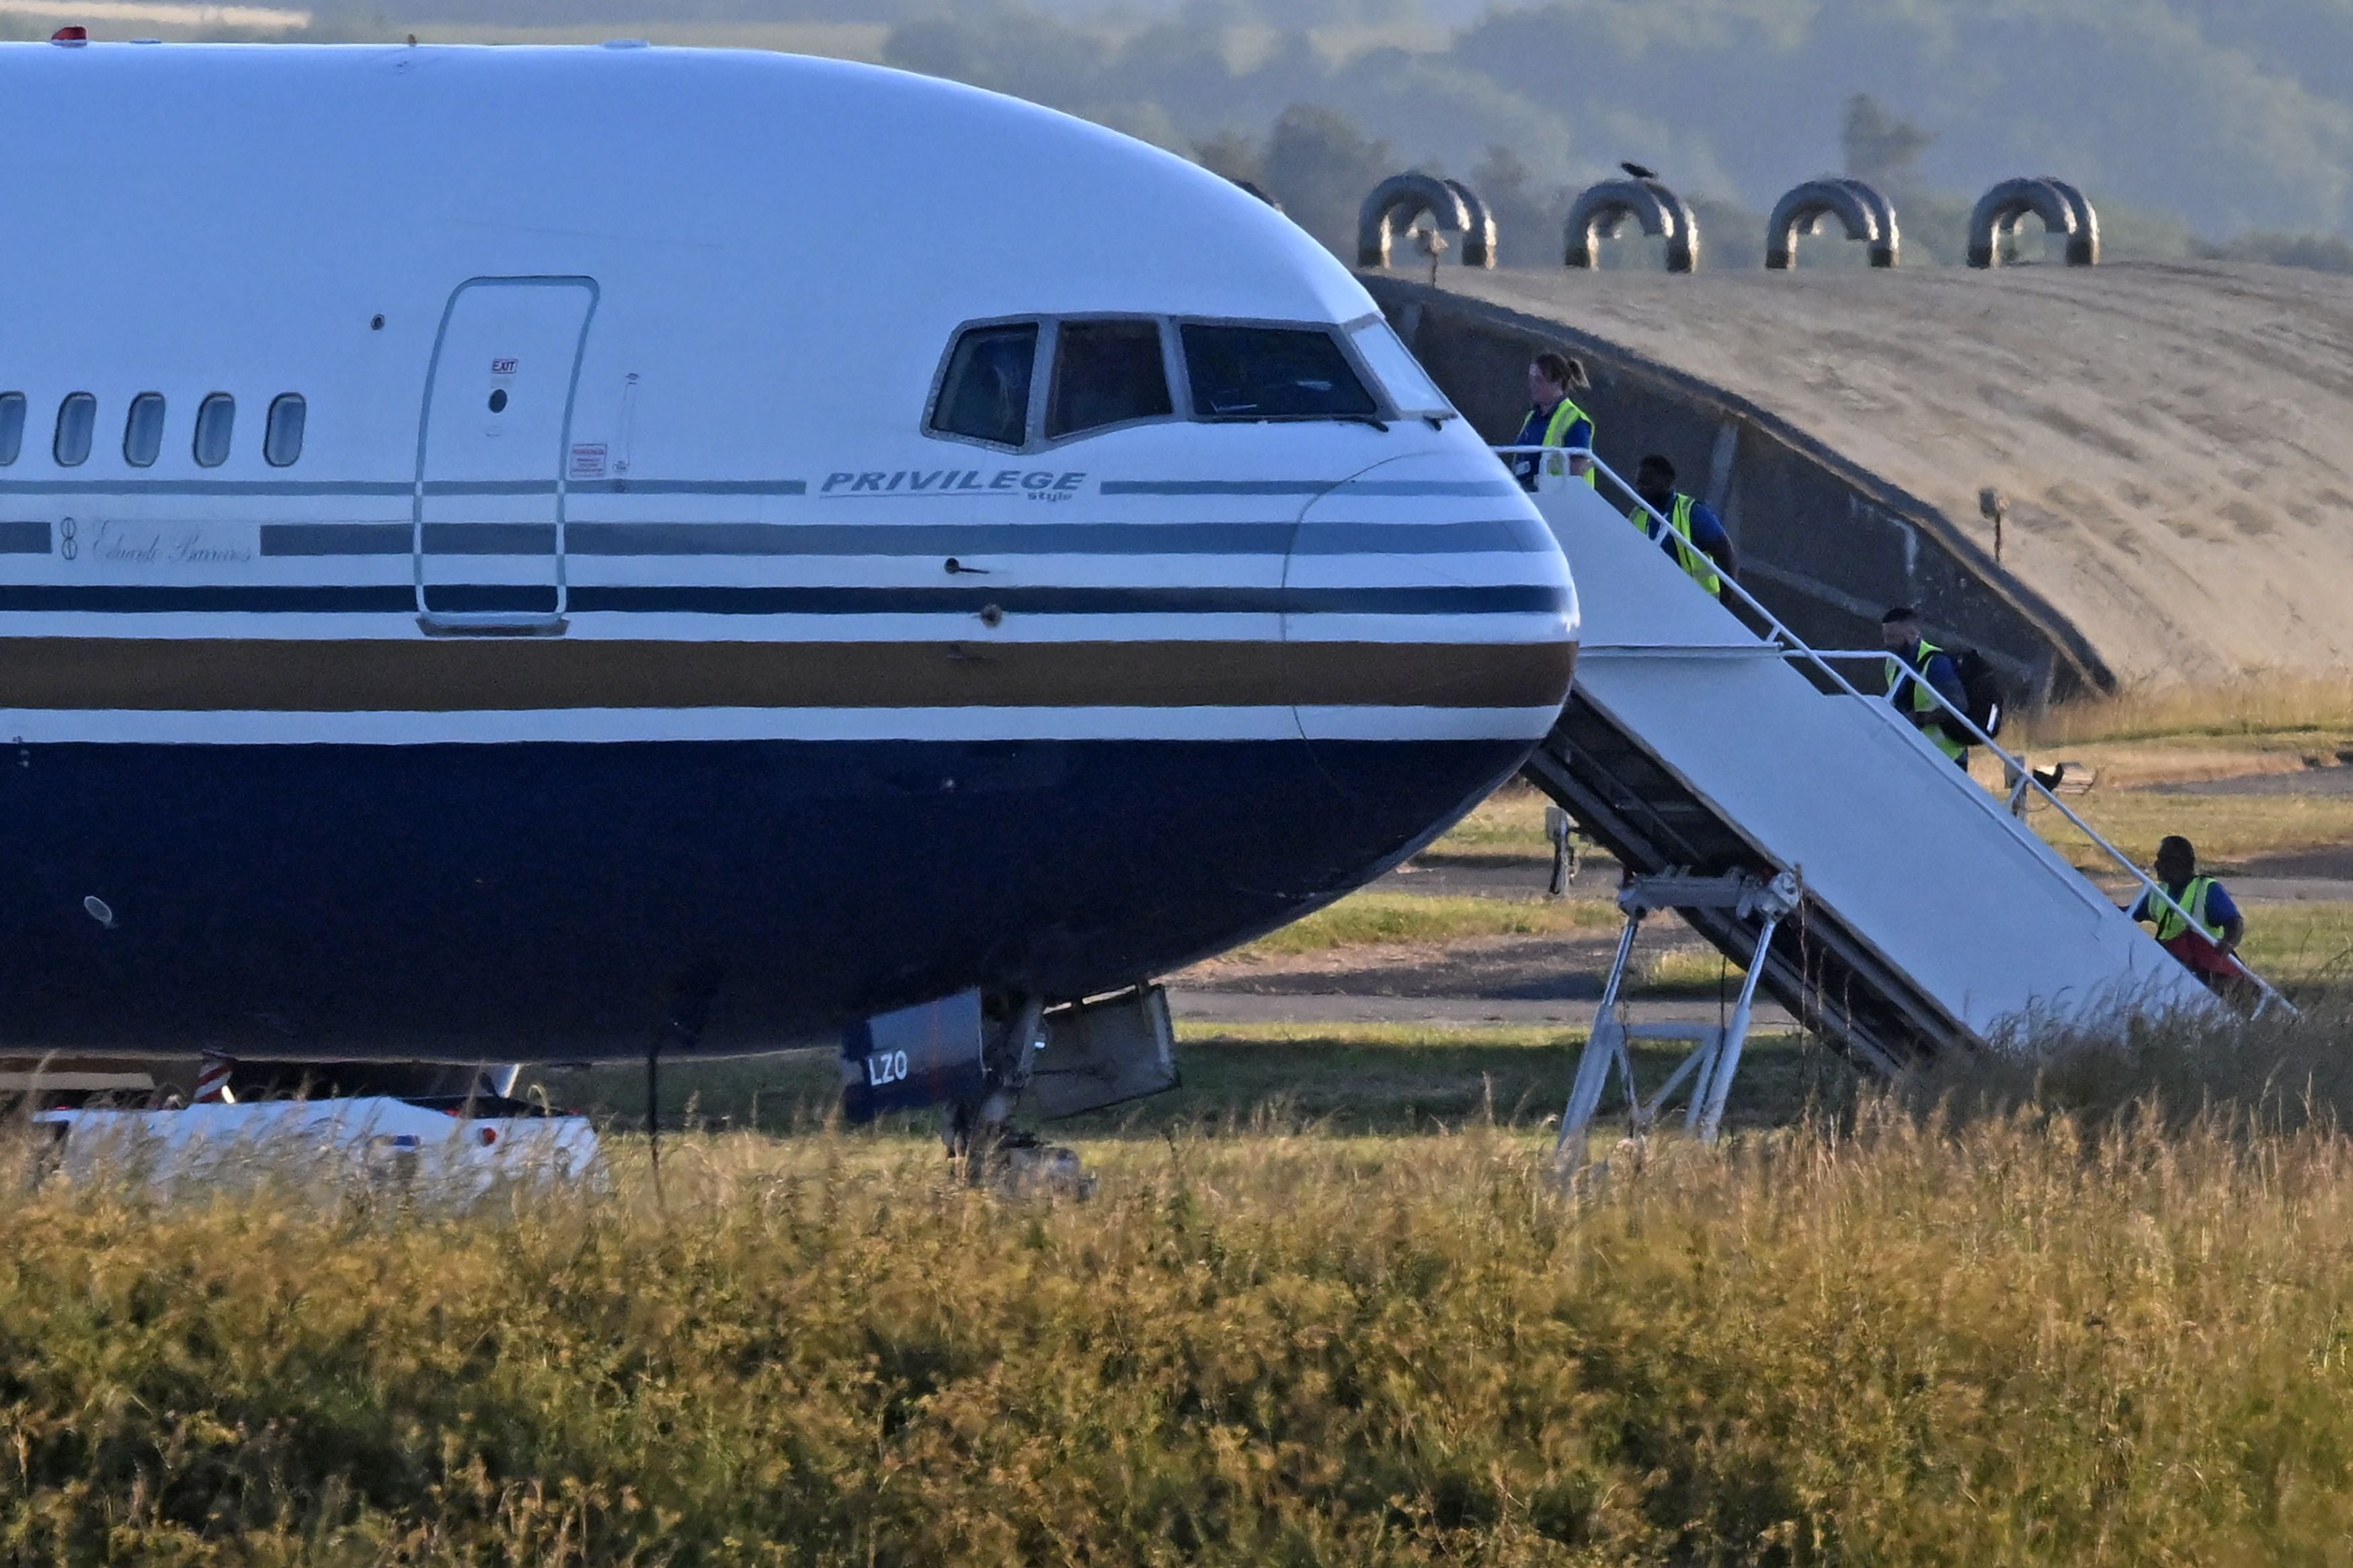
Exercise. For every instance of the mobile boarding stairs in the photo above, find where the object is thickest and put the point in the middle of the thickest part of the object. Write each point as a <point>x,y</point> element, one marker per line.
<point>1810,832</point>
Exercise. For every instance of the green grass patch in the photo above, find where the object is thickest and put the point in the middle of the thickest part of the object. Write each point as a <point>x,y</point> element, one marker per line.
<point>1383,1079</point>
<point>1402,1079</point>
<point>791,1092</point>
<point>1362,919</point>
<point>1508,825</point>
<point>1196,1031</point>
<point>2301,942</point>
<point>1686,973</point>
<point>2228,829</point>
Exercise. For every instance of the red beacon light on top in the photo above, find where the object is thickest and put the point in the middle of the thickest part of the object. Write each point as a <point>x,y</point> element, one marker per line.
<point>71,37</point>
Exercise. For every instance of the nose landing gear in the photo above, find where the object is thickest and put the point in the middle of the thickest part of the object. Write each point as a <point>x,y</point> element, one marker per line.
<point>981,1057</point>
<point>980,1138</point>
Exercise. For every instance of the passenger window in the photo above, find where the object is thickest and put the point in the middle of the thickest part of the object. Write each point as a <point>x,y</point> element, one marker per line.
<point>282,438</point>
<point>1106,373</point>
<point>12,426</point>
<point>76,425</point>
<point>985,393</point>
<point>1272,372</point>
<point>215,424</point>
<point>143,430</point>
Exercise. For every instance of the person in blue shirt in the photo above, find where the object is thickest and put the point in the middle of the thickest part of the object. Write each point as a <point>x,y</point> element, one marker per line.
<point>1554,420</point>
<point>1912,665</point>
<point>2208,942</point>
<point>1692,535</point>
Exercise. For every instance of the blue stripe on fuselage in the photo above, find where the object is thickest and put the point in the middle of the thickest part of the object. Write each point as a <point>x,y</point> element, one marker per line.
<point>139,599</point>
<point>1496,487</point>
<point>1477,536</point>
<point>1512,598</point>
<point>124,486</point>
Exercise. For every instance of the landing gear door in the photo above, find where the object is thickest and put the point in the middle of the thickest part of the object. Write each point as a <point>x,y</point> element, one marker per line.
<point>490,456</point>
<point>1104,1053</point>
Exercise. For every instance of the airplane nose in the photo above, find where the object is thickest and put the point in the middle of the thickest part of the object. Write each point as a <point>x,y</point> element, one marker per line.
<point>1429,626</point>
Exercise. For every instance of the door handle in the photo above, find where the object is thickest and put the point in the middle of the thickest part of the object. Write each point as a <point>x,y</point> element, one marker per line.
<point>490,624</point>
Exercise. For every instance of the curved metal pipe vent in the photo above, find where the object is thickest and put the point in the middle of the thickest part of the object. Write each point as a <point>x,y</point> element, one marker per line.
<point>2060,205</point>
<point>1450,204</point>
<point>1868,218</point>
<point>1479,239</point>
<point>1601,211</point>
<point>2083,249</point>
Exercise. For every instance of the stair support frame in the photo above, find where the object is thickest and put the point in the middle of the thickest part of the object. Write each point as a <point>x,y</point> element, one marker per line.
<point>1714,1058</point>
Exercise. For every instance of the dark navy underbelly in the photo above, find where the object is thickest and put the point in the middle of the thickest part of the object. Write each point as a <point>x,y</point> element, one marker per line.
<point>538,901</point>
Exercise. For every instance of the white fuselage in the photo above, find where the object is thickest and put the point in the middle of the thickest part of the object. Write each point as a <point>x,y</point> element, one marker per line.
<point>626,607</point>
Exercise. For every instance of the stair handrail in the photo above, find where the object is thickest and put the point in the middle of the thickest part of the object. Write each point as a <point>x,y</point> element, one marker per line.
<point>1794,646</point>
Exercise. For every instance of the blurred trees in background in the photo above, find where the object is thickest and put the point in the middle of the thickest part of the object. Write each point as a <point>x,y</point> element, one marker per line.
<point>2199,126</point>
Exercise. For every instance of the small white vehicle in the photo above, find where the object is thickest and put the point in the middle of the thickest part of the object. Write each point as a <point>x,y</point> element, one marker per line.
<point>459,1151</point>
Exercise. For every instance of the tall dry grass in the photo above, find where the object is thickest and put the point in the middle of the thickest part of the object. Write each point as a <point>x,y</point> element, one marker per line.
<point>2273,702</point>
<point>2048,1324</point>
<point>2283,1072</point>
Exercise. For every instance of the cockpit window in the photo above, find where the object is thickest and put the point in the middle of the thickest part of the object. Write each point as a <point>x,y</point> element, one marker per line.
<point>1272,372</point>
<point>12,426</point>
<point>1107,372</point>
<point>985,393</point>
<point>1400,374</point>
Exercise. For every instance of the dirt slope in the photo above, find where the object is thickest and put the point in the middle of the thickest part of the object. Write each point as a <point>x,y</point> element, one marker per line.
<point>2176,440</point>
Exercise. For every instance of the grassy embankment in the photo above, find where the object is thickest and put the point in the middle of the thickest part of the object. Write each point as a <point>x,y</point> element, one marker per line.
<point>2051,1334</point>
<point>2273,725</point>
<point>2263,712</point>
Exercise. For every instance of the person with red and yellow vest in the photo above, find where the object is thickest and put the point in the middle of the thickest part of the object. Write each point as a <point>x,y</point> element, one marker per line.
<point>1554,420</point>
<point>2208,942</point>
<point>1916,669</point>
<point>1693,536</point>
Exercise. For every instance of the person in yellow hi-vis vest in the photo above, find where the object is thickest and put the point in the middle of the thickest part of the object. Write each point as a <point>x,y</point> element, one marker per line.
<point>1554,420</point>
<point>1913,669</point>
<point>2208,942</point>
<point>1692,535</point>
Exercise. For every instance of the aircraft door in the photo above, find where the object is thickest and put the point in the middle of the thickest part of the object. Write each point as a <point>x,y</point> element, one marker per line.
<point>490,456</point>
